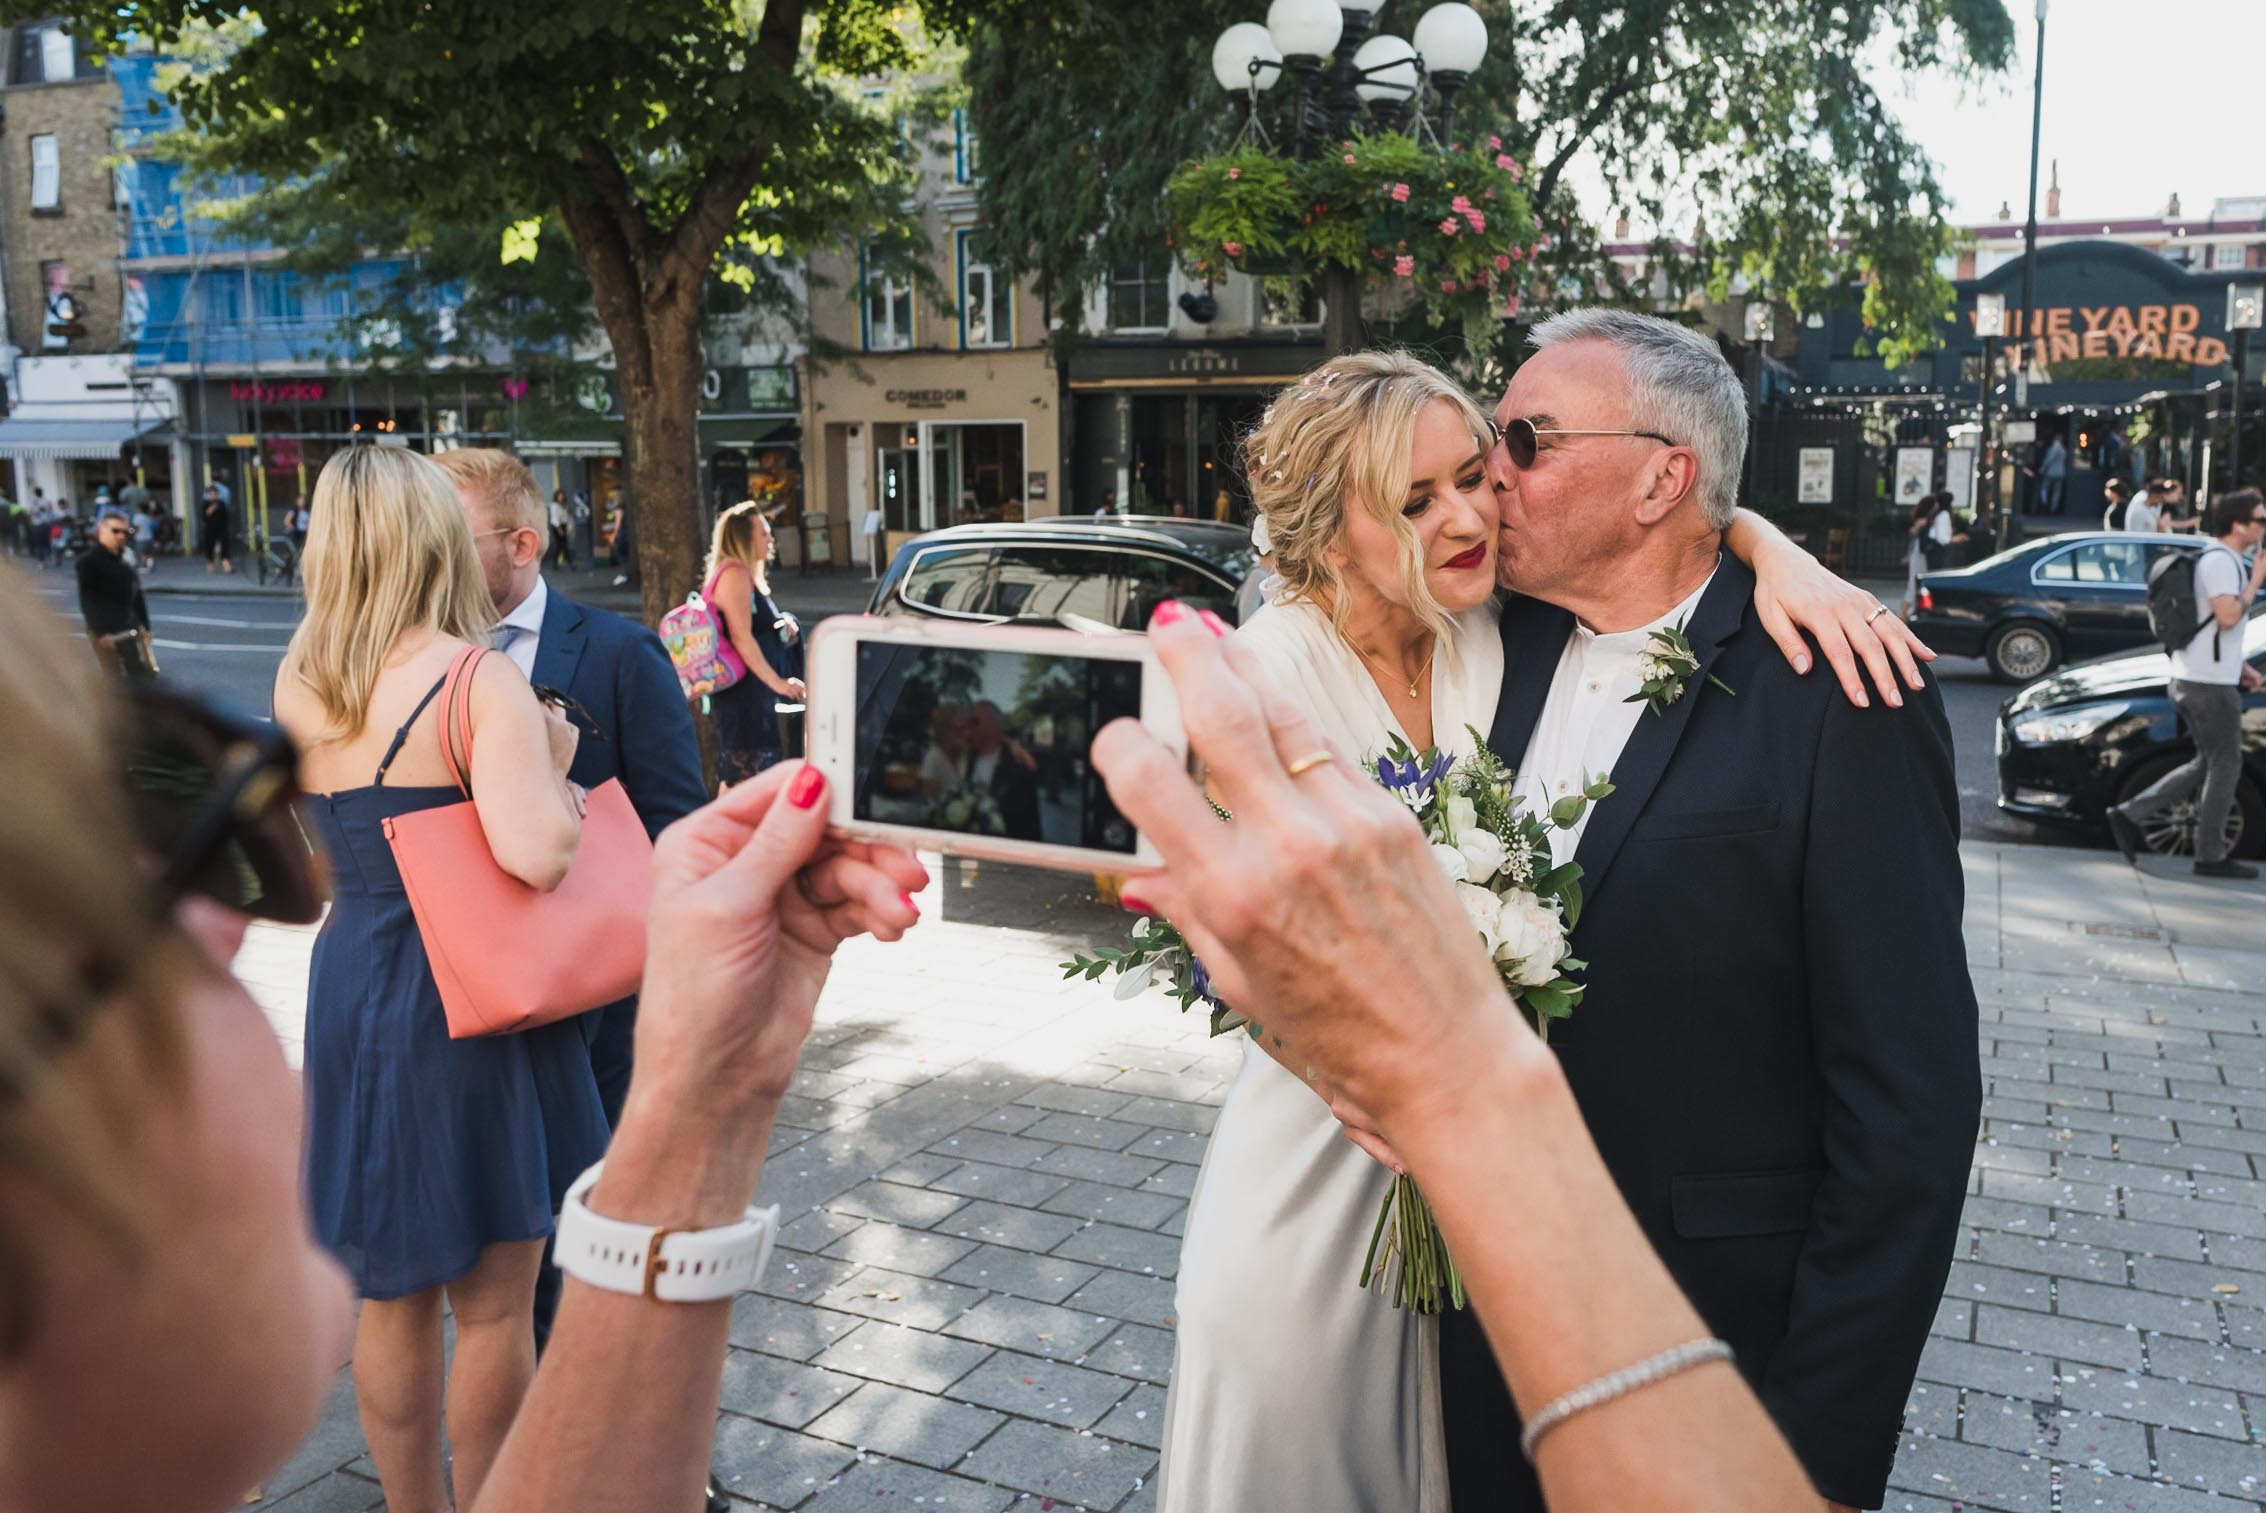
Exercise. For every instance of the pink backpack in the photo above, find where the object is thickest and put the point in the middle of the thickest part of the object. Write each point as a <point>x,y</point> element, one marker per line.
<point>692,634</point>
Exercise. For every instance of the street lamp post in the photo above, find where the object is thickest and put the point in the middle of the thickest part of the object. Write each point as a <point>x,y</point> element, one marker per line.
<point>1990,325</point>
<point>2030,233</point>
<point>2246,311</point>
<point>1346,70</point>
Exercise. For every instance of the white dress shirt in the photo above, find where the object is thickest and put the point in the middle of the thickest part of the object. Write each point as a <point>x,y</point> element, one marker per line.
<point>1588,719</point>
<point>518,633</point>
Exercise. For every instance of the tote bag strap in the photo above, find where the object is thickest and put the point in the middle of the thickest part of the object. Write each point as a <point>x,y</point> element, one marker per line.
<point>456,717</point>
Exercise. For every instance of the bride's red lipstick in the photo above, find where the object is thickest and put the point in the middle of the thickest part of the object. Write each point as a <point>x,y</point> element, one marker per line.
<point>1465,560</point>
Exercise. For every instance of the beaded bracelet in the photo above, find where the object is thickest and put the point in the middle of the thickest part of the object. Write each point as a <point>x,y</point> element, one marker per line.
<point>1619,1384</point>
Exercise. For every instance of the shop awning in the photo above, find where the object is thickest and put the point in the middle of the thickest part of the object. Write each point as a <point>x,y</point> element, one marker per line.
<point>30,436</point>
<point>746,433</point>
<point>567,447</point>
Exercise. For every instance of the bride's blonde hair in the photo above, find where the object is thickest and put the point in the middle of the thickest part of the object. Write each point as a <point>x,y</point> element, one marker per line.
<point>1338,439</point>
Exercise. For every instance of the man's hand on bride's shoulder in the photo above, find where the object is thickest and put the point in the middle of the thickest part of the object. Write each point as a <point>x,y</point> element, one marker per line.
<point>1795,593</point>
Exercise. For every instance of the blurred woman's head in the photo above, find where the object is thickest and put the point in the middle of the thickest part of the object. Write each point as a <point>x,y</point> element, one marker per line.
<point>159,1287</point>
<point>1370,474</point>
<point>389,554</point>
<point>744,536</point>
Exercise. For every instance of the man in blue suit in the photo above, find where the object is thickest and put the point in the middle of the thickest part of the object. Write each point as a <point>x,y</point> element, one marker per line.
<point>635,722</point>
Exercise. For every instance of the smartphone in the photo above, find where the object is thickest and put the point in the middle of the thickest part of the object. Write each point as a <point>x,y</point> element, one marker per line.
<point>974,739</point>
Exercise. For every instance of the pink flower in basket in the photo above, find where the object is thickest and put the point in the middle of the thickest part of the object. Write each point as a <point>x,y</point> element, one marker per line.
<point>1232,249</point>
<point>1495,142</point>
<point>1235,173</point>
<point>1400,193</point>
<point>1460,204</point>
<point>1477,218</point>
<point>1448,227</point>
<point>1502,262</point>
<point>1404,265</point>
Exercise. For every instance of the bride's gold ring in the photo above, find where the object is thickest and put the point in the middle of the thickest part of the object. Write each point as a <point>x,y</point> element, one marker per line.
<point>1310,761</point>
<point>1878,611</point>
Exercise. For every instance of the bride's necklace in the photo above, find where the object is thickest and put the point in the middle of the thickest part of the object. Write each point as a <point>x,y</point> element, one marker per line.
<point>1390,674</point>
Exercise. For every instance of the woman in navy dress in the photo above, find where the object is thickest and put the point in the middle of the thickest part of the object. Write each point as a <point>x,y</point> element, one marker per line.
<point>433,1165</point>
<point>758,639</point>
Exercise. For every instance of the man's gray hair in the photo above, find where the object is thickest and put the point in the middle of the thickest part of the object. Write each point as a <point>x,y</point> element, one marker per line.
<point>1679,385</point>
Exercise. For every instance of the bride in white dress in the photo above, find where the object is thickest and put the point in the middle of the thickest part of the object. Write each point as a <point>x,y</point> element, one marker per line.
<point>1292,1388</point>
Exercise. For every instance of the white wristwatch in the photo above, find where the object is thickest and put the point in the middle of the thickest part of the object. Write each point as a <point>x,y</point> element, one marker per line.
<point>670,1265</point>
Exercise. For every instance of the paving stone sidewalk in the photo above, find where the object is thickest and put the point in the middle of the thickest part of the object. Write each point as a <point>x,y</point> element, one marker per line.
<point>989,1169</point>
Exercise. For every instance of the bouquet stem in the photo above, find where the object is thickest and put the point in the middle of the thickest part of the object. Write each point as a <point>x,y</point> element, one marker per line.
<point>1408,1256</point>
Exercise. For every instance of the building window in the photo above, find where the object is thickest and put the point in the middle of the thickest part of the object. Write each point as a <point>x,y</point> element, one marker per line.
<point>1139,290</point>
<point>56,62</point>
<point>987,315</point>
<point>888,311</point>
<point>1298,306</point>
<point>2225,255</point>
<point>46,174</point>
<point>964,169</point>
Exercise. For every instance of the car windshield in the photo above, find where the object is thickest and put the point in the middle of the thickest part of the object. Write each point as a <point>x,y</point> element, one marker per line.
<point>1232,554</point>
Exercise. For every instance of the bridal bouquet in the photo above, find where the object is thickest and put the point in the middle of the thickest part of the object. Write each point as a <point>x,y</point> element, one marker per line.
<point>1497,856</point>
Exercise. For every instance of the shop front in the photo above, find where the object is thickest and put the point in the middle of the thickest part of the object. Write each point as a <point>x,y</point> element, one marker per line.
<point>2122,369</point>
<point>933,439</point>
<point>1155,427</point>
<point>80,425</point>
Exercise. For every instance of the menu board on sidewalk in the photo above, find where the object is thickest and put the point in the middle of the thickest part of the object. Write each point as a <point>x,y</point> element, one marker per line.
<point>1813,476</point>
<point>1959,477</point>
<point>1915,473</point>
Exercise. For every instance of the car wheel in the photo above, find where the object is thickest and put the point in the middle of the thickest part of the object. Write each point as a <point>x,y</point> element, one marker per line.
<point>2022,651</point>
<point>2172,833</point>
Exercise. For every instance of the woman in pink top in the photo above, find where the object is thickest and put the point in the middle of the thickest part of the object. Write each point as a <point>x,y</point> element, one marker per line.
<point>738,588</point>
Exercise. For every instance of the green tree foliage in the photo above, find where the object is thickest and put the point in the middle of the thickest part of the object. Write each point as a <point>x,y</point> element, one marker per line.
<point>669,139</point>
<point>1764,116</point>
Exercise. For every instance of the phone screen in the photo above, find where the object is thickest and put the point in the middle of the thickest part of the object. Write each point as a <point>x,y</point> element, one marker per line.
<point>990,742</point>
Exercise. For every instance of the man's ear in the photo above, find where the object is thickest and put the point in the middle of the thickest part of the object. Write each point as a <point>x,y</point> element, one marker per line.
<point>1674,480</point>
<point>525,547</point>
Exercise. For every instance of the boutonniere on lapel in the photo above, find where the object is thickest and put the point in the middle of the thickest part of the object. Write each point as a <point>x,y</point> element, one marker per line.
<point>1666,664</point>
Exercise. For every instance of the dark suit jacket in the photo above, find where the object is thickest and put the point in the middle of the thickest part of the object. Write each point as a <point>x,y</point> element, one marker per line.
<point>110,593</point>
<point>1017,789</point>
<point>616,669</point>
<point>1777,1052</point>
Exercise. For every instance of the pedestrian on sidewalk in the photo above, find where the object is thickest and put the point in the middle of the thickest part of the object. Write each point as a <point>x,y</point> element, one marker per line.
<point>2052,474</point>
<point>2209,678</point>
<point>625,544</point>
<point>2118,507</point>
<point>2175,513</point>
<point>1933,534</point>
<point>562,528</point>
<point>111,602</point>
<point>585,548</point>
<point>169,1329</point>
<point>220,530</point>
<point>42,527</point>
<point>737,585</point>
<point>433,1165</point>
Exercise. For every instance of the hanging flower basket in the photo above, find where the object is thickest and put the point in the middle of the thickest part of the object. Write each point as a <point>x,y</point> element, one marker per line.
<point>1451,228</point>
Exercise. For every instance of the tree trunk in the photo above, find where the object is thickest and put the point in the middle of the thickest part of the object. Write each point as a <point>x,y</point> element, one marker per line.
<point>1341,311</point>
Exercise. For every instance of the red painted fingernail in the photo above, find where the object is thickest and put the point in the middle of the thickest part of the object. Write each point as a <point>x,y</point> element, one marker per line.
<point>808,784</point>
<point>1138,906</point>
<point>1168,612</point>
<point>1212,622</point>
<point>907,900</point>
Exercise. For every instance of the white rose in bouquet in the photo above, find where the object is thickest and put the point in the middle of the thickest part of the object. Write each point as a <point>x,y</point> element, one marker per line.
<point>1458,814</point>
<point>1451,863</point>
<point>1529,934</point>
<point>1483,853</point>
<point>1484,910</point>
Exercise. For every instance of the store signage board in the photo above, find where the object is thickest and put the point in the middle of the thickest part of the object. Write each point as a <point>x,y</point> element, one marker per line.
<point>1814,476</point>
<point>1034,486</point>
<point>925,399</point>
<point>2021,432</point>
<point>1959,477</point>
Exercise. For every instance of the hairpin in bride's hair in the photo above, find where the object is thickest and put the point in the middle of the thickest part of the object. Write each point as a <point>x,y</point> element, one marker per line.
<point>1262,540</point>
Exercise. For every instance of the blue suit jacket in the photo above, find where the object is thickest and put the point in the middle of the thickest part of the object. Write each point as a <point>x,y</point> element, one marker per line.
<point>617,670</point>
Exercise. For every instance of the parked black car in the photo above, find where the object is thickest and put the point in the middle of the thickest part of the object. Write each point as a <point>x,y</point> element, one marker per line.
<point>1115,570</point>
<point>2090,736</point>
<point>2028,610</point>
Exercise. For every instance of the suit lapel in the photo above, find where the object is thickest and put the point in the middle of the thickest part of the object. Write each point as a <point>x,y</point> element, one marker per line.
<point>1534,638</point>
<point>558,649</point>
<point>1644,761</point>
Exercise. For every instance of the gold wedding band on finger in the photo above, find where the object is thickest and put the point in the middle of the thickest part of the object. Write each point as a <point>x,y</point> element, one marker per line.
<point>1878,611</point>
<point>1309,762</point>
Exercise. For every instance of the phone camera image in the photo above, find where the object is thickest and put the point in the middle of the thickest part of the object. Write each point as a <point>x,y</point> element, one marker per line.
<point>990,743</point>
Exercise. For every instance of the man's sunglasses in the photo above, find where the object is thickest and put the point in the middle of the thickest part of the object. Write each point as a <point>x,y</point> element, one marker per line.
<point>1522,438</point>
<point>212,795</point>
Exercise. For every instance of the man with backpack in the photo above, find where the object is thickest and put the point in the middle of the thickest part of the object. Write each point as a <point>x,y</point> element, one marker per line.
<point>2197,604</point>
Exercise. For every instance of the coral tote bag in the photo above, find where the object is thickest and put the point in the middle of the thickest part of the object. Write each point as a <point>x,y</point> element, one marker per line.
<point>506,956</point>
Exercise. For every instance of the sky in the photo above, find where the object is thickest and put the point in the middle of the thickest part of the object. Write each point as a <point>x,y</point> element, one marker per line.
<point>2142,98</point>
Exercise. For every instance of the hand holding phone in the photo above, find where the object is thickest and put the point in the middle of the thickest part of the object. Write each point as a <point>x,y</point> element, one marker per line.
<point>973,738</point>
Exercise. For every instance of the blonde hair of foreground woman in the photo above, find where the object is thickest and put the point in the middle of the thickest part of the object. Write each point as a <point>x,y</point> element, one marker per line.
<point>390,550</point>
<point>1338,439</point>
